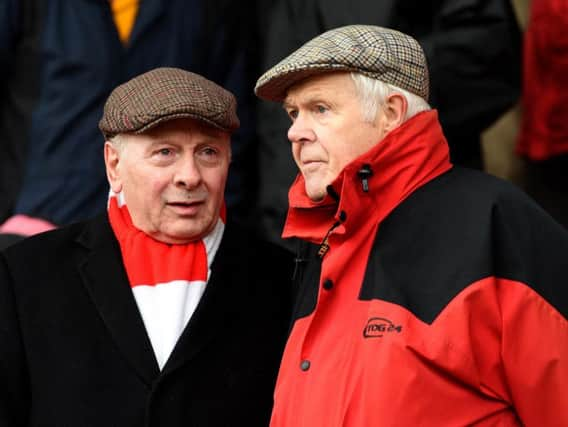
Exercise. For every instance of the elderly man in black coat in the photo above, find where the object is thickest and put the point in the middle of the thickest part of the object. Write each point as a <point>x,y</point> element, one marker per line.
<point>161,312</point>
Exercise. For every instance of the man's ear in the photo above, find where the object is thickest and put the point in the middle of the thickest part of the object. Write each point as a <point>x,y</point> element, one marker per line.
<point>112,161</point>
<point>395,108</point>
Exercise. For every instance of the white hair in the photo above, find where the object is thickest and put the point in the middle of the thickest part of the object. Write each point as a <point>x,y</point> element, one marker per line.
<point>117,142</point>
<point>373,93</point>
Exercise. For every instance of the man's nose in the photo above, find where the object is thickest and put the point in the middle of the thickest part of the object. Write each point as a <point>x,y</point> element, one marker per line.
<point>301,131</point>
<point>187,173</point>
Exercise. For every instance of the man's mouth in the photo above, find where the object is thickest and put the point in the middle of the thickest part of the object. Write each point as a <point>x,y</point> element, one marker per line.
<point>189,199</point>
<point>311,165</point>
<point>186,208</point>
<point>185,204</point>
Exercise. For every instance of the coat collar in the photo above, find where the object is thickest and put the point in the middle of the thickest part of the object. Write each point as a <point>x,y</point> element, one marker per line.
<point>149,11</point>
<point>406,159</point>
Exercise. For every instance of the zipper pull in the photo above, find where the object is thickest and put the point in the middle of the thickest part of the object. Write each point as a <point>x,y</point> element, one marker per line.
<point>364,174</point>
<point>324,247</point>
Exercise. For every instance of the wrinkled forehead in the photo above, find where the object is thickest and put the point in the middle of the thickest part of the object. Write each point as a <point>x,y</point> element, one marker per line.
<point>178,132</point>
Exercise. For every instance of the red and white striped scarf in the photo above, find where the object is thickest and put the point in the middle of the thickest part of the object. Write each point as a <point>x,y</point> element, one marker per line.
<point>167,280</point>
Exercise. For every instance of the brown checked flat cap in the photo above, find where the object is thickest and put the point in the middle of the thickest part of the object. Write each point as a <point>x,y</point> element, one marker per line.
<point>380,53</point>
<point>164,94</point>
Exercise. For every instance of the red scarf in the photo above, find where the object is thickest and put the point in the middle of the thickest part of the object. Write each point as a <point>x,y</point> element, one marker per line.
<point>167,280</point>
<point>148,261</point>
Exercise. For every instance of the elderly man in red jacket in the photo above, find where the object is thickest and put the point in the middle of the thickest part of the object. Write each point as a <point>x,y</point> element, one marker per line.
<point>428,294</point>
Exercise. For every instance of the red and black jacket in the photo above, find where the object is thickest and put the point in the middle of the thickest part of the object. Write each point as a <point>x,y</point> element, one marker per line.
<point>429,295</point>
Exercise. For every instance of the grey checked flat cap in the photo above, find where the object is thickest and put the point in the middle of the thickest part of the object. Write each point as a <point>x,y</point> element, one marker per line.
<point>164,94</point>
<point>380,53</point>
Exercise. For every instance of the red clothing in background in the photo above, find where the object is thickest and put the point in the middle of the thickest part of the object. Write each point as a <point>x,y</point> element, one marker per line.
<point>544,128</point>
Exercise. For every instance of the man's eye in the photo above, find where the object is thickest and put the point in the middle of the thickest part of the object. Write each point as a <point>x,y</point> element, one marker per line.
<point>209,156</point>
<point>293,114</point>
<point>321,109</point>
<point>164,151</point>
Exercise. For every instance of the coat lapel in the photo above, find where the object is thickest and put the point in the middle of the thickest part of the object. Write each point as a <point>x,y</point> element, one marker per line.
<point>107,284</point>
<point>220,300</point>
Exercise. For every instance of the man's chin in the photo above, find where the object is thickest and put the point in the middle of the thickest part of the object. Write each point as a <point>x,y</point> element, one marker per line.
<point>181,235</point>
<point>315,194</point>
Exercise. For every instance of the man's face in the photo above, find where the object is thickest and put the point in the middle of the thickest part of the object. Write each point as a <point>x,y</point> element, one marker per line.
<point>172,177</point>
<point>328,130</point>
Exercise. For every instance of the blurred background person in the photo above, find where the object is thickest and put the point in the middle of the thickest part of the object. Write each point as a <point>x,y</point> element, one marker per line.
<point>543,135</point>
<point>19,30</point>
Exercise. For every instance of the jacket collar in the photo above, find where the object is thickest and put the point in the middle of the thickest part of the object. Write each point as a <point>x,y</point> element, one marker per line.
<point>407,158</point>
<point>149,11</point>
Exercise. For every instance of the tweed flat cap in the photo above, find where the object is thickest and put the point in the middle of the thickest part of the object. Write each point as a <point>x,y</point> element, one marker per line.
<point>380,53</point>
<point>164,94</point>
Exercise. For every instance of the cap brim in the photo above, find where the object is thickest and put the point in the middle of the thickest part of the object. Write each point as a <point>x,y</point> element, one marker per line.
<point>169,117</point>
<point>274,84</point>
<point>174,116</point>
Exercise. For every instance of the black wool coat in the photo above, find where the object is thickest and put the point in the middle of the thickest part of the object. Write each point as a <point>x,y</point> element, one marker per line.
<point>74,351</point>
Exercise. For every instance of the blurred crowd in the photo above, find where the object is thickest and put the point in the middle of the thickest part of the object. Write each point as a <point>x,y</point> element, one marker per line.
<point>59,60</point>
